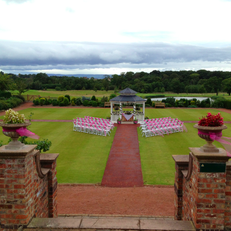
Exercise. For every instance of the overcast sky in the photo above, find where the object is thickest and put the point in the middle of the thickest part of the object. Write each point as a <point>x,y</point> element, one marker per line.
<point>114,36</point>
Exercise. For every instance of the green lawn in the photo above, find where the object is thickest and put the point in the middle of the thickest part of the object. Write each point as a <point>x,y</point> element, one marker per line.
<point>72,93</point>
<point>100,94</point>
<point>156,153</point>
<point>83,157</point>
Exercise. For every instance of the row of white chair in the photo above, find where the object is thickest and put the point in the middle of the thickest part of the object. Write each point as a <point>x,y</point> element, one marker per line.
<point>149,128</point>
<point>92,127</point>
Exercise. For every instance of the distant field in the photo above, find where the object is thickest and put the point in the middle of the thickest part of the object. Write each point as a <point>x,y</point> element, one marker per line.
<point>100,94</point>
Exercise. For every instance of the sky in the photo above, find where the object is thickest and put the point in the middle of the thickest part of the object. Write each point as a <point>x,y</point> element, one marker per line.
<point>114,36</point>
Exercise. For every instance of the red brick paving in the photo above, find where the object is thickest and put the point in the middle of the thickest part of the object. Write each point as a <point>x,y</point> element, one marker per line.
<point>123,167</point>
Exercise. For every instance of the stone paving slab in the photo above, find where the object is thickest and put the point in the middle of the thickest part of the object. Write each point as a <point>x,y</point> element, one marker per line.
<point>109,223</point>
<point>59,222</point>
<point>155,224</point>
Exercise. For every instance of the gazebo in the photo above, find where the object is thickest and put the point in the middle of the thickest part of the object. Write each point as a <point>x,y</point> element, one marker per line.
<point>127,96</point>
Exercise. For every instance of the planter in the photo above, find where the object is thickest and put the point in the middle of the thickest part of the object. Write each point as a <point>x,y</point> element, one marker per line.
<point>118,121</point>
<point>135,121</point>
<point>10,131</point>
<point>205,133</point>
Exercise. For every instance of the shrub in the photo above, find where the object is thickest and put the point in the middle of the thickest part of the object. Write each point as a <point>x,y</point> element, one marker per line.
<point>101,104</point>
<point>73,99</point>
<point>104,99</point>
<point>36,102</point>
<point>78,101</point>
<point>85,98</point>
<point>60,98</point>
<point>72,103</point>
<point>5,94</point>
<point>192,106</point>
<point>55,102</point>
<point>228,104</point>
<point>149,101</point>
<point>154,96</point>
<point>93,98</point>
<point>20,97</point>
<point>90,103</point>
<point>94,104</point>
<point>42,145</point>
<point>65,102</point>
<point>69,98</point>
<point>170,100</point>
<point>48,101</point>
<point>13,103</point>
<point>219,103</point>
<point>147,105</point>
<point>42,101</point>
<point>85,103</point>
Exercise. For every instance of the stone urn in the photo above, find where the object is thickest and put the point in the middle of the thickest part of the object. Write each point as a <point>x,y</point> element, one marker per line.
<point>10,131</point>
<point>205,132</point>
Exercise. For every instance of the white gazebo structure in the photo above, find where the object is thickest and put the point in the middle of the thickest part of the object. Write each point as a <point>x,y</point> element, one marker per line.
<point>127,96</point>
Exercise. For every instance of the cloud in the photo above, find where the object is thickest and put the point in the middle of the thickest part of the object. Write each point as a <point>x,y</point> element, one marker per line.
<point>70,10</point>
<point>16,1</point>
<point>70,53</point>
<point>89,55</point>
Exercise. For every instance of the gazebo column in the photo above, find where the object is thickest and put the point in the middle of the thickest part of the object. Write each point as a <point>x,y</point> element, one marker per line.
<point>144,109</point>
<point>120,111</point>
<point>111,108</point>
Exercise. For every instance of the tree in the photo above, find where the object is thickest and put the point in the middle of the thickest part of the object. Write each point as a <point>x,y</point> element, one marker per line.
<point>21,85</point>
<point>177,86</point>
<point>226,85</point>
<point>214,83</point>
<point>106,83</point>
<point>6,82</point>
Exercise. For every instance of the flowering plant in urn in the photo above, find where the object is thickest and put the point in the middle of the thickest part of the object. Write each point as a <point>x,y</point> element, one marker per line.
<point>211,120</point>
<point>13,117</point>
<point>210,128</point>
<point>14,125</point>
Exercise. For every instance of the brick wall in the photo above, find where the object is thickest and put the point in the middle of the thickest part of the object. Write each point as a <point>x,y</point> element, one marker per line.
<point>207,195</point>
<point>228,196</point>
<point>24,191</point>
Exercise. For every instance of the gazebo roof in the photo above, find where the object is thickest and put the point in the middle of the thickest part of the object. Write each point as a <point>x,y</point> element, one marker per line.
<point>127,91</point>
<point>129,98</point>
<point>128,95</point>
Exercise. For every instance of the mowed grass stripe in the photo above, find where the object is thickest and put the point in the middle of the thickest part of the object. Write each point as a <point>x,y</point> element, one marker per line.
<point>184,114</point>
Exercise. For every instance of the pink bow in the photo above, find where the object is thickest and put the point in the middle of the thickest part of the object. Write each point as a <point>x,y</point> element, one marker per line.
<point>217,136</point>
<point>22,132</point>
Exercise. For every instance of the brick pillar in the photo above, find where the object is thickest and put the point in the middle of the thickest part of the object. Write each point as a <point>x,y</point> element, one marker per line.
<point>48,161</point>
<point>204,192</point>
<point>16,186</point>
<point>26,189</point>
<point>181,163</point>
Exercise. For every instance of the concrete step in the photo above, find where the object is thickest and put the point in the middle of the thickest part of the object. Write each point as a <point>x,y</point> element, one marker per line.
<point>109,223</point>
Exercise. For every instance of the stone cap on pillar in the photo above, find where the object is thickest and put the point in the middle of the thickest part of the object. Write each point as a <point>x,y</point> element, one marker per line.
<point>16,154</point>
<point>181,159</point>
<point>220,156</point>
<point>48,157</point>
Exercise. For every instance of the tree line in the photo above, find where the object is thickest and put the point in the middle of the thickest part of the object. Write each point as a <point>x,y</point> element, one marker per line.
<point>201,81</point>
